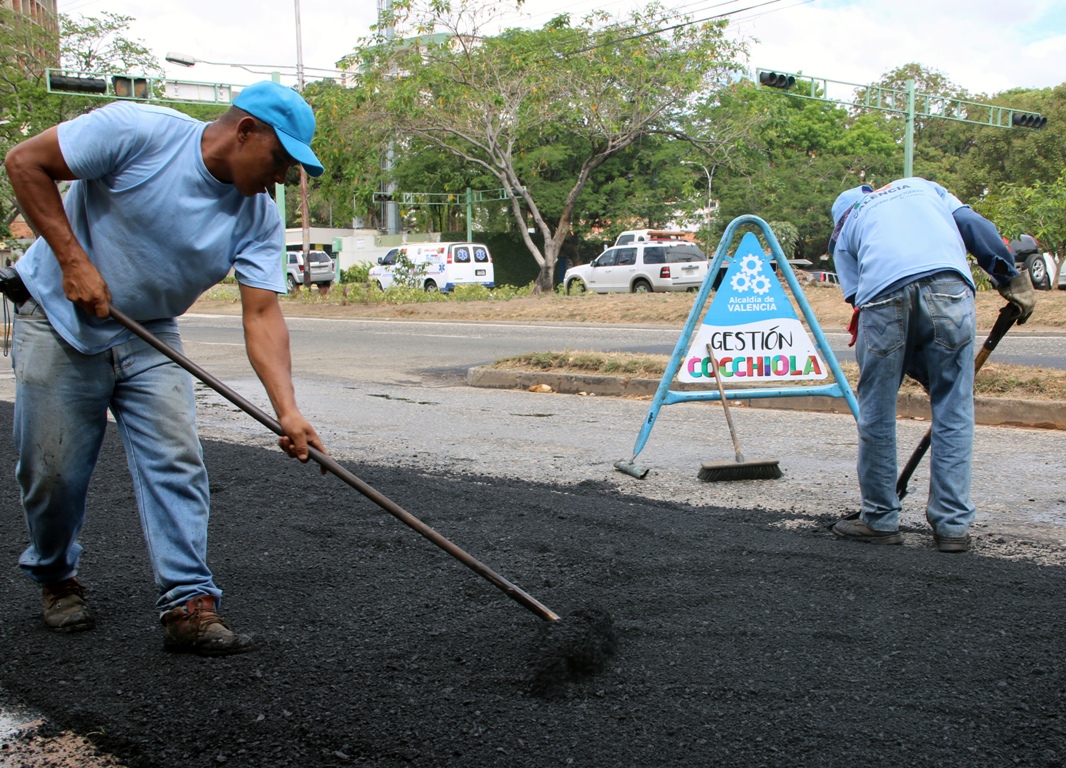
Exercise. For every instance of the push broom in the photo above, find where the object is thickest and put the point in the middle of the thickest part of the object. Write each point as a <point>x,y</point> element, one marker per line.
<point>741,469</point>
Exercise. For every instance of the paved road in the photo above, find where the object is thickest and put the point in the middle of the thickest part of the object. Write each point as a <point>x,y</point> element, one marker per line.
<point>386,388</point>
<point>391,350</point>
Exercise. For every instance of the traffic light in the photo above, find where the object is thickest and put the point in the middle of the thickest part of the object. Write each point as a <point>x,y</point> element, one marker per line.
<point>127,87</point>
<point>1028,120</point>
<point>776,80</point>
<point>382,197</point>
<point>73,84</point>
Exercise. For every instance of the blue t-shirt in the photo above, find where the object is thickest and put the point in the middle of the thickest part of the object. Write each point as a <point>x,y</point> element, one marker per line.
<point>159,227</point>
<point>902,231</point>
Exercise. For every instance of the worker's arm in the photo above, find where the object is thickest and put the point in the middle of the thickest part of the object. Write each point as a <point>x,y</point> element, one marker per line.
<point>34,166</point>
<point>266,338</point>
<point>983,241</point>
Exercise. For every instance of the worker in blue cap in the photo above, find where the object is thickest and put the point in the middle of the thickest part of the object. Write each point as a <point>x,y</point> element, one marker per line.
<point>161,208</point>
<point>900,254</point>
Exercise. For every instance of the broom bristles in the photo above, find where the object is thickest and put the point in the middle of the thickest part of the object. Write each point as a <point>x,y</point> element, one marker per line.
<point>753,469</point>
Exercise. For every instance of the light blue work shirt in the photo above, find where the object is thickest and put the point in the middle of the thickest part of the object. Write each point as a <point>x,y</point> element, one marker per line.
<point>159,227</point>
<point>902,230</point>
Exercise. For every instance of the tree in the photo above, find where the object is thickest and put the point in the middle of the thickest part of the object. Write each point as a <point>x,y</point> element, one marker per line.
<point>801,153</point>
<point>1018,156</point>
<point>99,44</point>
<point>1038,210</point>
<point>540,111</point>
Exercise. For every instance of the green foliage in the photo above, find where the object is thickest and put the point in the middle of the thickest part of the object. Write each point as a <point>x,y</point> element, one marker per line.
<point>97,44</point>
<point>1038,210</point>
<point>357,273</point>
<point>787,236</point>
<point>406,273</point>
<point>540,111</point>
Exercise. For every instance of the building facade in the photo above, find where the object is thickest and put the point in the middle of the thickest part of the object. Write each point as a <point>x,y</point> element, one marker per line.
<point>44,12</point>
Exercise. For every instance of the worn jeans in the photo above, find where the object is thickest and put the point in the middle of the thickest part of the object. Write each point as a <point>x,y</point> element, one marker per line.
<point>925,329</point>
<point>61,403</point>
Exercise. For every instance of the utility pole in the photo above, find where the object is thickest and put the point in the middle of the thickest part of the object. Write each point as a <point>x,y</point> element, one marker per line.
<point>707,217</point>
<point>279,200</point>
<point>390,208</point>
<point>305,215</point>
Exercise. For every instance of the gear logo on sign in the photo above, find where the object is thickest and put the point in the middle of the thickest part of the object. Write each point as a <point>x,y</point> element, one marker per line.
<point>750,278</point>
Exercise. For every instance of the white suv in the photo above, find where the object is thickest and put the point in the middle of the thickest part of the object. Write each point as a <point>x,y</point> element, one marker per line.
<point>641,267</point>
<point>321,269</point>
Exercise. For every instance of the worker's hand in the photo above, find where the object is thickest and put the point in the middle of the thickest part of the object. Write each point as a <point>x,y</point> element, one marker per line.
<point>298,435</point>
<point>85,286</point>
<point>1019,292</point>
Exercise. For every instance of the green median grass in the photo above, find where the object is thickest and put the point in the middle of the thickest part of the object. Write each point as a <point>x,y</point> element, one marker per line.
<point>993,380</point>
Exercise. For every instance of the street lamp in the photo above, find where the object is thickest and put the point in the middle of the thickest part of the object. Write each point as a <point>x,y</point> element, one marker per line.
<point>185,60</point>
<point>708,217</point>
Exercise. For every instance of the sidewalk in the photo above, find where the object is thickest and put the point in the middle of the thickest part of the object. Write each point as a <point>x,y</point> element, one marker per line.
<point>988,411</point>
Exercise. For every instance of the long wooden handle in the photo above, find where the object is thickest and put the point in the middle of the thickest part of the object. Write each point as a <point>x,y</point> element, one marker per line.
<point>328,463</point>
<point>725,405</point>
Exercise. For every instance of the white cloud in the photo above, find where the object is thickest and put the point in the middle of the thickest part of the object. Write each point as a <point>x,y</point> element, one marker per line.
<point>980,44</point>
<point>984,45</point>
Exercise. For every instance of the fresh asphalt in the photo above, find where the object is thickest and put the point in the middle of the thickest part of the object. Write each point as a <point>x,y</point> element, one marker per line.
<point>388,397</point>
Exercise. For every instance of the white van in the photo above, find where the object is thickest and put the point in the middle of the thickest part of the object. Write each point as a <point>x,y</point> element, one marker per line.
<point>439,266</point>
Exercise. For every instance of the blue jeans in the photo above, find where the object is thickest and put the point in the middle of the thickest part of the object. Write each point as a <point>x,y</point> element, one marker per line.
<point>926,329</point>
<point>61,403</point>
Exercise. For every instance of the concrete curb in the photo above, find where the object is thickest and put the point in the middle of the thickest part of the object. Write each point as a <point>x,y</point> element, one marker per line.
<point>988,411</point>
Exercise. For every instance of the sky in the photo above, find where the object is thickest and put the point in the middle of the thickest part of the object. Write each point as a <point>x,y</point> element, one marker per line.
<point>986,46</point>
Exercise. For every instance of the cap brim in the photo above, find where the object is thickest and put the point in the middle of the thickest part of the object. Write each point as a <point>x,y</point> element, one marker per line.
<point>301,153</point>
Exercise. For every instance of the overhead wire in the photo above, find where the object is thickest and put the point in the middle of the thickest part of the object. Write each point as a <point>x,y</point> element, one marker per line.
<point>660,30</point>
<point>678,12</point>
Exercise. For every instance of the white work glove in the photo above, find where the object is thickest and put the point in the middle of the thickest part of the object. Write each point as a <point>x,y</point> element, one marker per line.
<point>1019,292</point>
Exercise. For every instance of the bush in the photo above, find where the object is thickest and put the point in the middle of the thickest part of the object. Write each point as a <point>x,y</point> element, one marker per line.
<point>358,273</point>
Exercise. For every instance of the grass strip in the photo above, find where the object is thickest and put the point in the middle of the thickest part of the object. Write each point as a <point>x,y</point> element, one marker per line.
<point>993,380</point>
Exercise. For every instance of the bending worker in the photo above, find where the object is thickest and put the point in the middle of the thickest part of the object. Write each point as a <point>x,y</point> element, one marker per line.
<point>162,208</point>
<point>900,252</point>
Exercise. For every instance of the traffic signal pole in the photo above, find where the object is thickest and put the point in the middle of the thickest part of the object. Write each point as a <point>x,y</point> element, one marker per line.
<point>908,140</point>
<point>905,102</point>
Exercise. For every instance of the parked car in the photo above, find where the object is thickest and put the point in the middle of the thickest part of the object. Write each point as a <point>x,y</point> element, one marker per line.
<point>821,276</point>
<point>641,267</point>
<point>322,269</point>
<point>1043,267</point>
<point>439,266</point>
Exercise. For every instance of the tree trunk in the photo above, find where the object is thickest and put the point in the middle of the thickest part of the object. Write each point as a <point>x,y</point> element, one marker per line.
<point>545,282</point>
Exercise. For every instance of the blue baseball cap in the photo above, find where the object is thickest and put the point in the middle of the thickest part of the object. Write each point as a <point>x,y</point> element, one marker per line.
<point>843,205</point>
<point>292,119</point>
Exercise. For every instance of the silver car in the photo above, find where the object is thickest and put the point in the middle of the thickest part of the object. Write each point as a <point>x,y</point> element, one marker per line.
<point>322,269</point>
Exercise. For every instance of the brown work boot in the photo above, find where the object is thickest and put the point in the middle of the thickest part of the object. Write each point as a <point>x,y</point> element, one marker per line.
<point>64,606</point>
<point>197,628</point>
<point>857,530</point>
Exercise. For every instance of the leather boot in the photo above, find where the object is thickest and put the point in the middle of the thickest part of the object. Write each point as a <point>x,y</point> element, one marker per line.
<point>64,606</point>
<point>197,628</point>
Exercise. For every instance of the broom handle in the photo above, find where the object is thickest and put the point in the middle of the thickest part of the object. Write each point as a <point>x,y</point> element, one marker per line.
<point>326,462</point>
<point>725,405</point>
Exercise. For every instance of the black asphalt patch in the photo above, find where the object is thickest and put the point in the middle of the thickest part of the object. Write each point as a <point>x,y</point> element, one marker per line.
<point>740,642</point>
